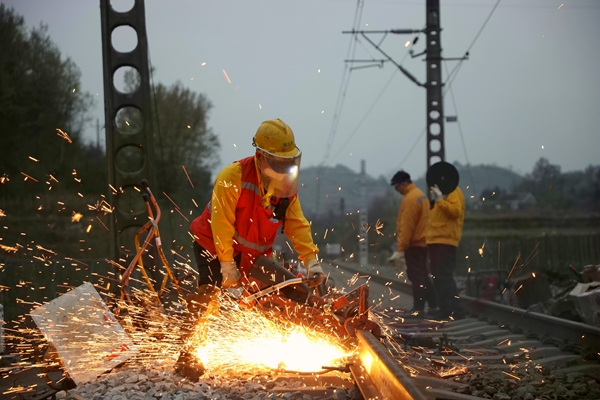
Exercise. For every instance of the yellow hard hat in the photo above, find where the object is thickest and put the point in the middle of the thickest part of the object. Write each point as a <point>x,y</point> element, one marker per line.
<point>276,137</point>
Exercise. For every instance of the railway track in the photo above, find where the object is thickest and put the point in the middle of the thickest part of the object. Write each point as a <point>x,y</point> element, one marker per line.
<point>498,353</point>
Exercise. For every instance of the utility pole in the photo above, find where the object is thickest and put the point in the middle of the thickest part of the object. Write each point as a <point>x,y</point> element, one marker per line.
<point>435,105</point>
<point>122,140</point>
<point>363,221</point>
<point>433,56</point>
<point>98,133</point>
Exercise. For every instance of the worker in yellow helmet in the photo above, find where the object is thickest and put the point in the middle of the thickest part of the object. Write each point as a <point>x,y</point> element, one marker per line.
<point>252,198</point>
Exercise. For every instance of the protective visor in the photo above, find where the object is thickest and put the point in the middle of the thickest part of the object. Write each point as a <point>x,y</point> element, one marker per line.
<point>279,175</point>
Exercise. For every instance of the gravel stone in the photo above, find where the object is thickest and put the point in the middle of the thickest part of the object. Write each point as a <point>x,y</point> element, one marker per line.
<point>134,382</point>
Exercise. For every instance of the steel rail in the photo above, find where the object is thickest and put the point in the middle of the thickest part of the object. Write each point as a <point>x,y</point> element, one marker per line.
<point>378,375</point>
<point>543,325</point>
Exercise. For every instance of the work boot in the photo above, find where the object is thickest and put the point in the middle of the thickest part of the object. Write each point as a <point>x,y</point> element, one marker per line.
<point>189,366</point>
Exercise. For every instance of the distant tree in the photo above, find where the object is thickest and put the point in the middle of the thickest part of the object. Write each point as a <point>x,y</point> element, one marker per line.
<point>183,139</point>
<point>546,183</point>
<point>186,149</point>
<point>40,93</point>
<point>582,188</point>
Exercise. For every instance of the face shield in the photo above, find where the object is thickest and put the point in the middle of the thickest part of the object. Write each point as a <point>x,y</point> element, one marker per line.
<point>279,175</point>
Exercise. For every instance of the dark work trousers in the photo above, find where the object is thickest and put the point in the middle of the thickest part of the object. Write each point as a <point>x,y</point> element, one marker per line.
<point>422,285</point>
<point>442,263</point>
<point>209,267</point>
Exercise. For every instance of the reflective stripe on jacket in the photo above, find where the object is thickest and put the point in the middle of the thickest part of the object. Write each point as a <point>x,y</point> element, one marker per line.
<point>413,218</point>
<point>446,220</point>
<point>238,220</point>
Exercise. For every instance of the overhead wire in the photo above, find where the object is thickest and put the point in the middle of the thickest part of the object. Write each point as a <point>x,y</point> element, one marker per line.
<point>462,138</point>
<point>450,80</point>
<point>364,118</point>
<point>345,82</point>
<point>452,76</point>
<point>483,26</point>
<point>340,99</point>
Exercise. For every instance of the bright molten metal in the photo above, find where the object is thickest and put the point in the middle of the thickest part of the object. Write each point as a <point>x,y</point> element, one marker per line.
<point>238,339</point>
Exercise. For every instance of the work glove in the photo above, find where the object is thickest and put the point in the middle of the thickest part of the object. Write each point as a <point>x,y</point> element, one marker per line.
<point>315,273</point>
<point>437,193</point>
<point>231,274</point>
<point>398,261</point>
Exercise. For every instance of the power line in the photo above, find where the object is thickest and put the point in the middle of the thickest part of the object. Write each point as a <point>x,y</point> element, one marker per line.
<point>449,80</point>
<point>460,130</point>
<point>482,27</point>
<point>340,100</point>
<point>345,83</point>
<point>364,118</point>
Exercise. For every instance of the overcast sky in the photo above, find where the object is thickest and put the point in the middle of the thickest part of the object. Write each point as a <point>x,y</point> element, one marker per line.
<point>530,88</point>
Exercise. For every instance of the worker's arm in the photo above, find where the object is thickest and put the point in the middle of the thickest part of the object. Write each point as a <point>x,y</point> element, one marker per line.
<point>451,205</point>
<point>297,229</point>
<point>226,193</point>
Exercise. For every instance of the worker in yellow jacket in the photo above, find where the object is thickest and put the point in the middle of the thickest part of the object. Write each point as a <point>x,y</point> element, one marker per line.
<point>252,199</point>
<point>446,221</point>
<point>411,244</point>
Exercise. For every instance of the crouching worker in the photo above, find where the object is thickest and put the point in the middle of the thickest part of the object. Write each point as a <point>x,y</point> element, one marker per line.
<point>252,199</point>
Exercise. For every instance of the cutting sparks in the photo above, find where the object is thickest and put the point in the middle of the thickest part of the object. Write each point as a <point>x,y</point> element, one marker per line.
<point>63,135</point>
<point>226,76</point>
<point>246,340</point>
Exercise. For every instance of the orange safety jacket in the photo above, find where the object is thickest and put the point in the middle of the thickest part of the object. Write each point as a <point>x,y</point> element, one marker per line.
<point>237,220</point>
<point>412,220</point>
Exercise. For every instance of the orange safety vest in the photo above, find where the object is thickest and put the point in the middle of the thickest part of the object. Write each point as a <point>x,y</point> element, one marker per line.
<point>255,226</point>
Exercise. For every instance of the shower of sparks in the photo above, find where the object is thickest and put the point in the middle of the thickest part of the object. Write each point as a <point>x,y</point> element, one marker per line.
<point>101,206</point>
<point>378,227</point>
<point>76,217</point>
<point>9,248</point>
<point>44,249</point>
<point>238,339</point>
<point>28,177</point>
<point>63,135</point>
<point>188,176</point>
<point>511,375</point>
<point>226,76</point>
<point>453,371</point>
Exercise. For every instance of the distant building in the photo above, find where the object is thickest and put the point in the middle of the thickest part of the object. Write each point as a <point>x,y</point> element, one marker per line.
<point>518,201</point>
